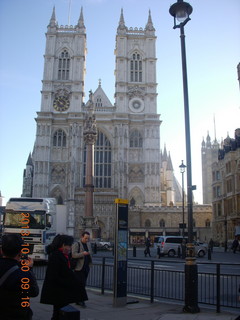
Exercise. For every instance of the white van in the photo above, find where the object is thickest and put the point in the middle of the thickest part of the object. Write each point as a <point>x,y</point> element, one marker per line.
<point>169,245</point>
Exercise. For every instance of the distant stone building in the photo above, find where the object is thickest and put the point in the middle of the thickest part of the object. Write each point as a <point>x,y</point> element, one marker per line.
<point>226,189</point>
<point>28,178</point>
<point>170,188</point>
<point>209,152</point>
<point>154,221</point>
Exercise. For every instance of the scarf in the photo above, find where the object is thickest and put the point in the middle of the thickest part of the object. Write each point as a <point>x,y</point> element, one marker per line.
<point>66,256</point>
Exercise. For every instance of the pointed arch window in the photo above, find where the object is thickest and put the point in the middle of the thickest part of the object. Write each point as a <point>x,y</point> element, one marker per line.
<point>59,138</point>
<point>102,162</point>
<point>136,68</point>
<point>63,65</point>
<point>136,140</point>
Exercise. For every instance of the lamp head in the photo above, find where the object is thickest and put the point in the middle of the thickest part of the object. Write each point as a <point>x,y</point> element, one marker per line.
<point>181,12</point>
<point>182,167</point>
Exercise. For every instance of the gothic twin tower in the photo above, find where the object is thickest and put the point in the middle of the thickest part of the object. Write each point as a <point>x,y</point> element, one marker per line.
<point>127,149</point>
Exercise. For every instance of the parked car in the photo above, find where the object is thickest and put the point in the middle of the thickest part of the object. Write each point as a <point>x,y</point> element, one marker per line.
<point>169,245</point>
<point>101,244</point>
<point>200,248</point>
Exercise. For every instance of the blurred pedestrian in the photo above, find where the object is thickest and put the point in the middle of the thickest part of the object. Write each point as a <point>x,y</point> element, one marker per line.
<point>210,245</point>
<point>147,247</point>
<point>83,252</point>
<point>235,244</point>
<point>17,281</point>
<point>184,248</point>
<point>60,286</point>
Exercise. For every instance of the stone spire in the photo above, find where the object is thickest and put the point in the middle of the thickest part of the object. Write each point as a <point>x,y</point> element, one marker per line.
<point>29,160</point>
<point>122,29</point>
<point>164,156</point>
<point>149,25</point>
<point>80,24</point>
<point>53,21</point>
<point>169,163</point>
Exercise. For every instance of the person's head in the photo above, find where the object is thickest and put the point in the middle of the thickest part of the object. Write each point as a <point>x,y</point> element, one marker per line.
<point>61,241</point>
<point>85,237</point>
<point>12,246</point>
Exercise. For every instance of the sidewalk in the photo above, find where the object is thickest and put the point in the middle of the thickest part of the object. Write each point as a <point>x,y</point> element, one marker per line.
<point>100,307</point>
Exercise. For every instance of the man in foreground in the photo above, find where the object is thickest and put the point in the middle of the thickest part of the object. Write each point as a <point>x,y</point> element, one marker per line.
<point>82,251</point>
<point>17,281</point>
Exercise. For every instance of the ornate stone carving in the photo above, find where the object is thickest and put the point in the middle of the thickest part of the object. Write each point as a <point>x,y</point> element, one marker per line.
<point>136,92</point>
<point>62,90</point>
<point>136,173</point>
<point>90,128</point>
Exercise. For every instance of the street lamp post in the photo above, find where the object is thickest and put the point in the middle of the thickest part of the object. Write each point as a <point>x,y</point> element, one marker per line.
<point>182,170</point>
<point>181,12</point>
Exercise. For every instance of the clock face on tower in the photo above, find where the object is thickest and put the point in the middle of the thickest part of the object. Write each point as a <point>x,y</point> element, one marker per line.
<point>61,103</point>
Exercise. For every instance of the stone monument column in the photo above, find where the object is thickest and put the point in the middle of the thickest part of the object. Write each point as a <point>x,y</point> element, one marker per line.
<point>90,137</point>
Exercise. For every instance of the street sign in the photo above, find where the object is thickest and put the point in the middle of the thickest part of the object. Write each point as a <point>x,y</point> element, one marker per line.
<point>120,253</point>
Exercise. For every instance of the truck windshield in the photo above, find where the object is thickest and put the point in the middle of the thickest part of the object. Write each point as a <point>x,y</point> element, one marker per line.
<point>15,220</point>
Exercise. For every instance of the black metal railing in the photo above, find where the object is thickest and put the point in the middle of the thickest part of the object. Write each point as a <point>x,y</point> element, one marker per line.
<point>218,287</point>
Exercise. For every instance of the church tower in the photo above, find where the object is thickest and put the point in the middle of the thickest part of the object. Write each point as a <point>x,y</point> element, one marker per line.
<point>127,147</point>
<point>136,101</point>
<point>28,178</point>
<point>56,155</point>
<point>209,152</point>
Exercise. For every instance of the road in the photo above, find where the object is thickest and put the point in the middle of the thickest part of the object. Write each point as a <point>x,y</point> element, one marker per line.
<point>204,264</point>
<point>169,275</point>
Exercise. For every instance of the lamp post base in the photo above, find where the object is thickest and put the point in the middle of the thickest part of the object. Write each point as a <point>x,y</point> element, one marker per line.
<point>191,286</point>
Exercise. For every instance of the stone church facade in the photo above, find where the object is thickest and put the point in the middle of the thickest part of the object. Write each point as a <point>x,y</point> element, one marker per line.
<point>128,162</point>
<point>127,151</point>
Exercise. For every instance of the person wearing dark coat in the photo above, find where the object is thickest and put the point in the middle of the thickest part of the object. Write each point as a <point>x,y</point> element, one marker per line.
<point>17,281</point>
<point>60,286</point>
<point>147,247</point>
<point>235,244</point>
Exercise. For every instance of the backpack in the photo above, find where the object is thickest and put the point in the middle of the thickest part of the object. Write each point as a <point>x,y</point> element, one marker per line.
<point>73,261</point>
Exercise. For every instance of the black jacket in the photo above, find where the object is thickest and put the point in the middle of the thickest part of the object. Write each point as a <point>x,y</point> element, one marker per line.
<point>60,286</point>
<point>12,294</point>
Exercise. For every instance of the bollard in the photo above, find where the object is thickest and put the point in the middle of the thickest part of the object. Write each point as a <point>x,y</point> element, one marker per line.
<point>95,248</point>
<point>158,252</point>
<point>178,252</point>
<point>134,251</point>
<point>209,254</point>
<point>69,313</point>
<point>183,251</point>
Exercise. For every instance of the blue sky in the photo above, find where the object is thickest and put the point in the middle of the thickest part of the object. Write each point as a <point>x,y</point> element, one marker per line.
<point>213,53</point>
